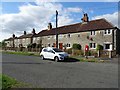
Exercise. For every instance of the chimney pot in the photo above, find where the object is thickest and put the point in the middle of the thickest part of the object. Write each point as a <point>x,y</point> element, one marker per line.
<point>13,35</point>
<point>85,18</point>
<point>49,26</point>
<point>33,31</point>
<point>24,32</point>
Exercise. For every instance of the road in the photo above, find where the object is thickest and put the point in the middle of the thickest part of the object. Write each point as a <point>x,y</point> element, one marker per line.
<point>50,74</point>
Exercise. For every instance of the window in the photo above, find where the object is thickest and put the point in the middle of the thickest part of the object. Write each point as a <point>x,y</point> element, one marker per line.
<point>48,37</point>
<point>107,46</point>
<point>45,50</point>
<point>57,50</point>
<point>92,45</point>
<point>92,33</point>
<point>78,35</point>
<point>107,32</point>
<point>68,35</point>
<point>68,45</point>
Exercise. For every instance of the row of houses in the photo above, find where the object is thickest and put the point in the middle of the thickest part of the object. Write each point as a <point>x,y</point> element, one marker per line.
<point>87,32</point>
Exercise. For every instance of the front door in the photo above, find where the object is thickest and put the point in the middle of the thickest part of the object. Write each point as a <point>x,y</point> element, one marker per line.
<point>61,46</point>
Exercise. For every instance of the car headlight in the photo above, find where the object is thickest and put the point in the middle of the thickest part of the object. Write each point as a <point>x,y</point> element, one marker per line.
<point>61,55</point>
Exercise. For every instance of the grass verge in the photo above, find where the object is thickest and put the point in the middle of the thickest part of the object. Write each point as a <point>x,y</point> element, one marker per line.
<point>21,53</point>
<point>8,82</point>
<point>83,59</point>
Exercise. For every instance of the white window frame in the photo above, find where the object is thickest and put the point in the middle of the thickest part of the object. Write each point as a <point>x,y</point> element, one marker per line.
<point>110,46</point>
<point>107,32</point>
<point>93,46</point>
<point>69,35</point>
<point>48,37</point>
<point>93,33</point>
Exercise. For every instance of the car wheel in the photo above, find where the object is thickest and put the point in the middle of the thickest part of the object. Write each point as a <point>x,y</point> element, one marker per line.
<point>56,59</point>
<point>42,57</point>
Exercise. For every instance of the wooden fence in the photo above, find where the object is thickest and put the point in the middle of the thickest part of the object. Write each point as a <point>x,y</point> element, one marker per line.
<point>103,53</point>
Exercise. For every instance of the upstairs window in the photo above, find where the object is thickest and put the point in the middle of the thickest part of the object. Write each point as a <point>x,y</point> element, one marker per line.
<point>48,37</point>
<point>68,35</point>
<point>78,35</point>
<point>92,33</point>
<point>107,32</point>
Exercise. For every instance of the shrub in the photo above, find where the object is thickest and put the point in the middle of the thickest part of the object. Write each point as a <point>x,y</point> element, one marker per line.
<point>29,45</point>
<point>99,47</point>
<point>33,45</point>
<point>38,45</point>
<point>69,51</point>
<point>76,46</point>
<point>78,52</point>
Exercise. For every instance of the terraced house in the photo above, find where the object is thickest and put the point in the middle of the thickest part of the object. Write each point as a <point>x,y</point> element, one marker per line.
<point>87,32</point>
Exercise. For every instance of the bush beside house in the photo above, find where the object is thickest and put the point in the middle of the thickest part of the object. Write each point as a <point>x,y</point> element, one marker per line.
<point>98,49</point>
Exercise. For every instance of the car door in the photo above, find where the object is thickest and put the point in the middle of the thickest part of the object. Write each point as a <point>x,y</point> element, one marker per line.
<point>45,53</point>
<point>51,54</point>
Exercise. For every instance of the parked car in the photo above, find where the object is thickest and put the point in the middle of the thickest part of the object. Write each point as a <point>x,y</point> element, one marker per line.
<point>53,53</point>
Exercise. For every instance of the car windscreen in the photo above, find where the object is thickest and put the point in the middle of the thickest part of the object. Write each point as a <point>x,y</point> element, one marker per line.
<point>57,50</point>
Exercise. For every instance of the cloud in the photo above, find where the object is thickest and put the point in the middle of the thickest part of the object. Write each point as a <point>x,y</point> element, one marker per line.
<point>76,9</point>
<point>113,18</point>
<point>34,16</point>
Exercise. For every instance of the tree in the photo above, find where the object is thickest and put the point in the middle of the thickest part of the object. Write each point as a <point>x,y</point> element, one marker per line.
<point>3,44</point>
<point>76,46</point>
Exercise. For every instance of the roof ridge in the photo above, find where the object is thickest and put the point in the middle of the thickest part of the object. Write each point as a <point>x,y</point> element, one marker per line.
<point>76,23</point>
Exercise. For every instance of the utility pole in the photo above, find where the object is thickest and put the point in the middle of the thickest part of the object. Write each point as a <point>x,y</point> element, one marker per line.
<point>56,29</point>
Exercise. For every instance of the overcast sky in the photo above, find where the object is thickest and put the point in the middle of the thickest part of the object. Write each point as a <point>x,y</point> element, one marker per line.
<point>17,17</point>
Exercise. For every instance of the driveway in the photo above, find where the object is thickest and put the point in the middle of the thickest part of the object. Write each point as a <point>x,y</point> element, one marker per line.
<point>50,74</point>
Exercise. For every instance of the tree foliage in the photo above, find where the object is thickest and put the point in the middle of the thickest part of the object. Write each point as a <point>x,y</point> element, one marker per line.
<point>99,47</point>
<point>76,46</point>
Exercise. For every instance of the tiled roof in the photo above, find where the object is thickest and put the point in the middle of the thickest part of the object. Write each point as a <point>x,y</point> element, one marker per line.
<point>25,36</point>
<point>40,33</point>
<point>99,24</point>
<point>9,39</point>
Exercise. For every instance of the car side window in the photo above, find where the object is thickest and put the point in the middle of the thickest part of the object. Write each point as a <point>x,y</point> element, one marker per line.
<point>45,50</point>
<point>50,51</point>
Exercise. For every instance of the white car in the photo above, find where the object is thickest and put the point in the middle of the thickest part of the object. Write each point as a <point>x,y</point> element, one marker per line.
<point>53,53</point>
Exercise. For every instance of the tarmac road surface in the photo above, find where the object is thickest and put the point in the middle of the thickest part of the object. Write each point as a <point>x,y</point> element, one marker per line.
<point>50,74</point>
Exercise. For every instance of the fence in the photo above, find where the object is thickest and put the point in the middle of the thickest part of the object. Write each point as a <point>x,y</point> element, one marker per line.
<point>109,54</point>
<point>103,53</point>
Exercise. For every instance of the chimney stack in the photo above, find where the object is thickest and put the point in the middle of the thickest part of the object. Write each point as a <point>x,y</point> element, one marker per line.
<point>85,18</point>
<point>49,26</point>
<point>33,31</point>
<point>24,32</point>
<point>13,35</point>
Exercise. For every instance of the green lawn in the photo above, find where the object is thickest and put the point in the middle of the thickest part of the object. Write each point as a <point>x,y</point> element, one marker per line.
<point>82,59</point>
<point>7,82</point>
<point>22,53</point>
